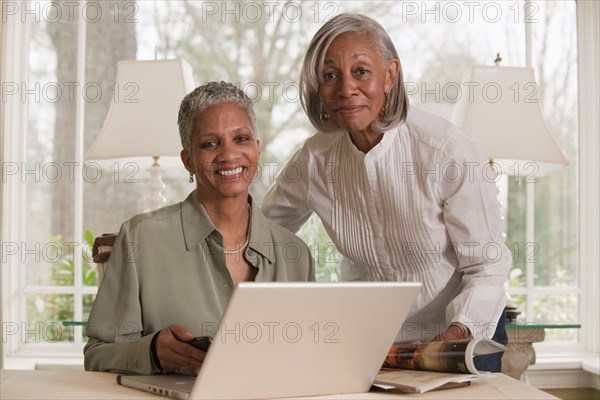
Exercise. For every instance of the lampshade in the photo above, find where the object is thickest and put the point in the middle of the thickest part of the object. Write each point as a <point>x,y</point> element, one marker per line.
<point>499,107</point>
<point>142,121</point>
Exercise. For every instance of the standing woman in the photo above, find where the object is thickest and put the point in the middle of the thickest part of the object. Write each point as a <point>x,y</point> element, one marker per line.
<point>401,193</point>
<point>172,271</point>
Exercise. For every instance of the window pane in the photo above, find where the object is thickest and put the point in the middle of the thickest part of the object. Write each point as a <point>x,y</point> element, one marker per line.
<point>556,309</point>
<point>515,223</point>
<point>556,236</point>
<point>556,196</point>
<point>327,259</point>
<point>553,251</point>
<point>438,41</point>
<point>45,316</point>
<point>115,190</point>
<point>111,189</point>
<point>48,169</point>
<point>89,274</point>
<point>561,335</point>
<point>520,301</point>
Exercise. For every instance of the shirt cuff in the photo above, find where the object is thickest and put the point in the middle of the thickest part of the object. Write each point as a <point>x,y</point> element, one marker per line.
<point>156,367</point>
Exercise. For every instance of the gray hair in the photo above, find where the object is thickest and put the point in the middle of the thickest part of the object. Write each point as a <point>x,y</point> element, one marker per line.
<point>396,106</point>
<point>205,96</point>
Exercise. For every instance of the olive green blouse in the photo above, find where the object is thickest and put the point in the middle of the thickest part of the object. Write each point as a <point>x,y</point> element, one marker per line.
<point>168,266</point>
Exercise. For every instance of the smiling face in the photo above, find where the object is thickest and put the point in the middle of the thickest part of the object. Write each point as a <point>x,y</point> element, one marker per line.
<point>355,81</point>
<point>224,153</point>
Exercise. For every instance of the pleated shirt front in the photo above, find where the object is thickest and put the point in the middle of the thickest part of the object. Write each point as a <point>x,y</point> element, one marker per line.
<point>420,206</point>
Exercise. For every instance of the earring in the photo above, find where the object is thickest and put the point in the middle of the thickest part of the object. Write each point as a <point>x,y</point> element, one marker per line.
<point>386,107</point>
<point>323,116</point>
<point>191,180</point>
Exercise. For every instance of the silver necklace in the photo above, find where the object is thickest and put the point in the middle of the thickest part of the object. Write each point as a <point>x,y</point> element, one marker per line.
<point>236,251</point>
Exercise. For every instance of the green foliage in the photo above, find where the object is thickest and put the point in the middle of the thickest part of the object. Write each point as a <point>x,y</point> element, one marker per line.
<point>47,312</point>
<point>63,271</point>
<point>326,257</point>
<point>553,255</point>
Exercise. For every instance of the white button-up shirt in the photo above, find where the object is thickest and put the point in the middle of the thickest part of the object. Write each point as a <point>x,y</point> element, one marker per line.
<point>420,206</point>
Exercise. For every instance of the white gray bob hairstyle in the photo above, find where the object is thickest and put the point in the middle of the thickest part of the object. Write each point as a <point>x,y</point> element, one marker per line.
<point>205,96</point>
<point>396,106</point>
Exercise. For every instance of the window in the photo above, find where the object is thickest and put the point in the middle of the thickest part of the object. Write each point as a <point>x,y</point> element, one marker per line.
<point>544,280</point>
<point>58,83</point>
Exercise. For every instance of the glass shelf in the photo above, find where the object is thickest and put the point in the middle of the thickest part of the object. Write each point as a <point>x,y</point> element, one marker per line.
<point>533,325</point>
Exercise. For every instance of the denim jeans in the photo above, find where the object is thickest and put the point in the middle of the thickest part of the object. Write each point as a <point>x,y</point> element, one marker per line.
<point>493,362</point>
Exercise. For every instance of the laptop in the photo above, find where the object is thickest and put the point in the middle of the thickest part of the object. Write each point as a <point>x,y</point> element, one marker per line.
<point>294,339</point>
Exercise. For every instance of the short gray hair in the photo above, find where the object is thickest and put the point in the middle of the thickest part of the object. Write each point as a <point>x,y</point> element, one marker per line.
<point>205,96</point>
<point>396,106</point>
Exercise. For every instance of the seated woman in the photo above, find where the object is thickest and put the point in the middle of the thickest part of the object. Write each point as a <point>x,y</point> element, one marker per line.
<point>173,270</point>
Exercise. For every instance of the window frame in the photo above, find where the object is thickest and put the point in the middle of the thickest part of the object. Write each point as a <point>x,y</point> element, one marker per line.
<point>588,32</point>
<point>14,69</point>
<point>13,132</point>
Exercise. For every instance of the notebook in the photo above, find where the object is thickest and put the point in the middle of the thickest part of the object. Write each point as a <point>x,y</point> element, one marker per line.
<point>294,339</point>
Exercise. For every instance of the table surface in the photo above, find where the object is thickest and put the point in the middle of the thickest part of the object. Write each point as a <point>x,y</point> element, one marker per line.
<point>75,384</point>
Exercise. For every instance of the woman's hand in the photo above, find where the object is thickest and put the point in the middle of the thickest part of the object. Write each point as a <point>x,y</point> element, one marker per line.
<point>174,354</point>
<point>453,332</point>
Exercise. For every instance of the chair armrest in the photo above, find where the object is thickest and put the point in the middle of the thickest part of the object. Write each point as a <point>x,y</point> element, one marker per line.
<point>101,252</point>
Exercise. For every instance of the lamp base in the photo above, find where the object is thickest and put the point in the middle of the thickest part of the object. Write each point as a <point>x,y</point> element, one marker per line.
<point>155,197</point>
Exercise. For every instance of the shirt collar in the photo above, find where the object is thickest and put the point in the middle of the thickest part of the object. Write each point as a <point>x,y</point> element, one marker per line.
<point>380,148</point>
<point>195,221</point>
<point>260,234</point>
<point>197,226</point>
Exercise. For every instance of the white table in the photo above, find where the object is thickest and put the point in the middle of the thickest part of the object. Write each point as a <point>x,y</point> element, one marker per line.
<point>74,384</point>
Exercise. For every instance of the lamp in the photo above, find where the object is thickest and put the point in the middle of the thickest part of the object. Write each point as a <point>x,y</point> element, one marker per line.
<point>501,110</point>
<point>142,121</point>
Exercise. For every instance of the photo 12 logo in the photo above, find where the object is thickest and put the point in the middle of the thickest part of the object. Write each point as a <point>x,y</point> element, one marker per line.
<point>272,332</point>
<point>69,171</point>
<point>468,11</point>
<point>70,11</point>
<point>54,92</point>
<point>269,11</point>
<point>488,92</point>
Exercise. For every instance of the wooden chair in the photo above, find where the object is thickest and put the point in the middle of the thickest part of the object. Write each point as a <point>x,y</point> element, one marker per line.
<point>101,251</point>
